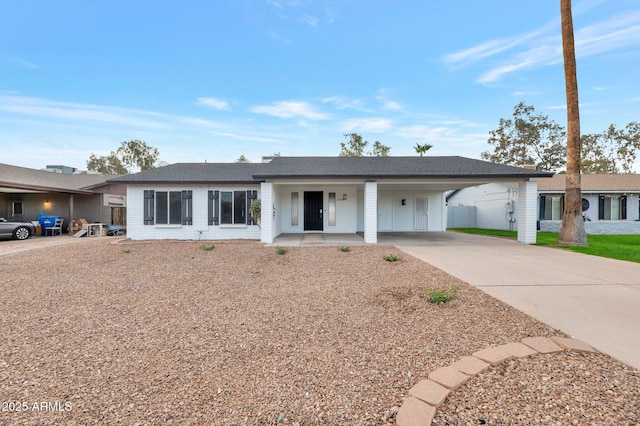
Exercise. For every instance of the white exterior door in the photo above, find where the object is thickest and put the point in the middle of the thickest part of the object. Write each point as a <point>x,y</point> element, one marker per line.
<point>385,213</point>
<point>421,217</point>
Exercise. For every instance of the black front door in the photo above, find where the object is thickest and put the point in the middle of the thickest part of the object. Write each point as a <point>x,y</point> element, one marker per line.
<point>313,211</point>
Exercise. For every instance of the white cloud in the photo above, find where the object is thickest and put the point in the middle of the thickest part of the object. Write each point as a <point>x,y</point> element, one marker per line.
<point>366,125</point>
<point>216,103</point>
<point>22,62</point>
<point>392,105</point>
<point>290,109</point>
<point>492,47</point>
<point>43,108</point>
<point>543,46</point>
<point>342,102</point>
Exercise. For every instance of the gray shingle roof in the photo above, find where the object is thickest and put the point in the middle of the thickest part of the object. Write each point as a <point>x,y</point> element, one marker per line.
<point>22,177</point>
<point>329,168</point>
<point>391,167</point>
<point>593,183</point>
<point>196,173</point>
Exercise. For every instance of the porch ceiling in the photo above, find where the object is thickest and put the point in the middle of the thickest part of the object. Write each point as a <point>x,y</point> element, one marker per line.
<point>439,185</point>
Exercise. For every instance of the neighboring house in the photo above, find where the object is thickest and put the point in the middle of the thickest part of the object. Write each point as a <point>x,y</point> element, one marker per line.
<point>610,204</point>
<point>25,193</point>
<point>188,201</point>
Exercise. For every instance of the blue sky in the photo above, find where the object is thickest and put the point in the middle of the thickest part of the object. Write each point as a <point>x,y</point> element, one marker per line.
<point>211,80</point>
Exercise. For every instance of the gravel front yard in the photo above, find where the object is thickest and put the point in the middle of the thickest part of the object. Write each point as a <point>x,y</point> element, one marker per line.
<point>169,333</point>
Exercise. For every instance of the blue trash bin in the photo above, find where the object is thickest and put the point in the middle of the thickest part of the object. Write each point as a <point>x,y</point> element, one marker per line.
<point>46,222</point>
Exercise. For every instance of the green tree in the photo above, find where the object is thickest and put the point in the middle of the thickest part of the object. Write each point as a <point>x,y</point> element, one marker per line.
<point>242,159</point>
<point>131,155</point>
<point>612,151</point>
<point>593,157</point>
<point>379,150</point>
<point>421,149</point>
<point>107,165</point>
<point>572,231</point>
<point>355,147</point>
<point>527,138</point>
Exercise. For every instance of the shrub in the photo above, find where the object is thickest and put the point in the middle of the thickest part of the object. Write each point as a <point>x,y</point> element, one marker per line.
<point>281,250</point>
<point>390,257</point>
<point>207,247</point>
<point>345,249</point>
<point>441,296</point>
<point>126,250</point>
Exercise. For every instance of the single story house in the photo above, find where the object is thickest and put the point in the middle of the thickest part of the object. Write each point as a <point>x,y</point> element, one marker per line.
<point>26,193</point>
<point>191,201</point>
<point>610,204</point>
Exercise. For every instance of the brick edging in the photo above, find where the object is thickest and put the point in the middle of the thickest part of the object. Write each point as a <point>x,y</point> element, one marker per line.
<point>419,408</point>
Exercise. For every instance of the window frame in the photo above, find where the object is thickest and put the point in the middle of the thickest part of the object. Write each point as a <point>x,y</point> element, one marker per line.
<point>13,208</point>
<point>550,204</point>
<point>230,207</point>
<point>169,208</point>
<point>606,210</point>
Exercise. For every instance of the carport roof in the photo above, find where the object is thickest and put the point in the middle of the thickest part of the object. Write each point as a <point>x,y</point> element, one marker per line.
<point>13,178</point>
<point>288,168</point>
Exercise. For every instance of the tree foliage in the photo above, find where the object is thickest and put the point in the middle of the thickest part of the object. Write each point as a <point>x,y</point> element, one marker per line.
<point>242,159</point>
<point>612,151</point>
<point>421,149</point>
<point>131,155</point>
<point>355,147</point>
<point>527,138</point>
<point>531,138</point>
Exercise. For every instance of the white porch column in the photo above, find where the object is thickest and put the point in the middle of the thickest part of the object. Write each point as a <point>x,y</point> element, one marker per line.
<point>527,212</point>
<point>266,212</point>
<point>371,212</point>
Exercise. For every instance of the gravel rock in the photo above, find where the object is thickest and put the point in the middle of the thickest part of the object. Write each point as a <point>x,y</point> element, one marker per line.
<point>563,388</point>
<point>168,333</point>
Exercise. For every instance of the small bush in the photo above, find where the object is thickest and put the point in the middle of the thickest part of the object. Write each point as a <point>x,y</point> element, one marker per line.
<point>390,257</point>
<point>281,250</point>
<point>441,296</point>
<point>345,249</point>
<point>126,250</point>
<point>207,247</point>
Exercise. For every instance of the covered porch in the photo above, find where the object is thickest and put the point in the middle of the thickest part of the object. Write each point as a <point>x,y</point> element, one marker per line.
<point>361,212</point>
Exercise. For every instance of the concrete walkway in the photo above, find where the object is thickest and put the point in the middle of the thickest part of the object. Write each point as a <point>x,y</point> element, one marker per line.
<point>593,299</point>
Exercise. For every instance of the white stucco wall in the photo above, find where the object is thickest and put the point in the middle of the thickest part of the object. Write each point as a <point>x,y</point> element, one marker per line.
<point>493,202</point>
<point>346,210</point>
<point>199,230</point>
<point>396,217</point>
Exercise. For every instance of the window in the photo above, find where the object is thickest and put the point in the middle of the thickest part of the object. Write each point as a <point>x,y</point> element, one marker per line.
<point>332,209</point>
<point>233,207</point>
<point>551,207</point>
<point>294,209</point>
<point>167,207</point>
<point>612,207</point>
<point>17,208</point>
<point>230,207</point>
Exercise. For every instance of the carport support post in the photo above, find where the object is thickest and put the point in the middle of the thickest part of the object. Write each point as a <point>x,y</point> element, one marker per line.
<point>527,212</point>
<point>267,212</point>
<point>70,225</point>
<point>371,212</point>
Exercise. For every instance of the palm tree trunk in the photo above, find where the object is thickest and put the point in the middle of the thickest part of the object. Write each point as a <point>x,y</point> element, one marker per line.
<point>572,231</point>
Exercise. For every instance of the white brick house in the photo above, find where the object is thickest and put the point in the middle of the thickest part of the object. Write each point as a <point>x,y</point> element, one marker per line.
<point>309,194</point>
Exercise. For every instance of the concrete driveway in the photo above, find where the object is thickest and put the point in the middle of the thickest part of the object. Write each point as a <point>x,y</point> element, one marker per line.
<point>590,298</point>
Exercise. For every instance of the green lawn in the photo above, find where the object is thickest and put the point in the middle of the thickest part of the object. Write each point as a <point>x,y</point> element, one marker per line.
<point>621,247</point>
